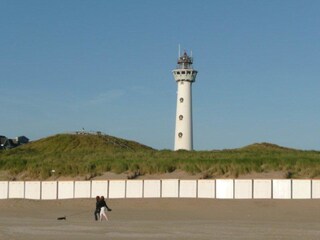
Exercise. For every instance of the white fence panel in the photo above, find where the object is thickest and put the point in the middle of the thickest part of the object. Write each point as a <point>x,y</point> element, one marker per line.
<point>65,189</point>
<point>99,188</point>
<point>206,189</point>
<point>224,188</point>
<point>281,188</point>
<point>4,187</point>
<point>188,188</point>
<point>262,189</point>
<point>243,189</point>
<point>315,189</point>
<point>82,189</point>
<point>301,189</point>
<point>16,189</point>
<point>33,190</point>
<point>170,188</point>
<point>49,190</point>
<point>134,189</point>
<point>117,189</point>
<point>152,189</point>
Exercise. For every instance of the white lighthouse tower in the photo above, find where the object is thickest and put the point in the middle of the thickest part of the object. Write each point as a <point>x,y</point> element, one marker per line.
<point>184,75</point>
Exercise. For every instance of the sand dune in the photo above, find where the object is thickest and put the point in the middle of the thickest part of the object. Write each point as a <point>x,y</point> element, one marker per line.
<point>162,219</point>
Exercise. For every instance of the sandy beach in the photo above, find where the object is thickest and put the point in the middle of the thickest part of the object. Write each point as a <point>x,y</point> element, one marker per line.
<point>161,219</point>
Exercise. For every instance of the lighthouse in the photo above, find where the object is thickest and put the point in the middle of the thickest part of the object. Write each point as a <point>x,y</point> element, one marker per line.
<point>184,75</point>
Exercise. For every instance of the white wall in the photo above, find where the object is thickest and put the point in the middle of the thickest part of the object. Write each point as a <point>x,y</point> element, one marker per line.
<point>16,189</point>
<point>82,189</point>
<point>206,189</point>
<point>117,189</point>
<point>167,188</point>
<point>49,190</point>
<point>315,189</point>
<point>170,188</point>
<point>243,189</point>
<point>152,188</point>
<point>33,190</point>
<point>99,188</point>
<point>301,189</point>
<point>281,188</point>
<point>66,189</point>
<point>262,188</point>
<point>134,189</point>
<point>188,188</point>
<point>4,188</point>
<point>224,188</point>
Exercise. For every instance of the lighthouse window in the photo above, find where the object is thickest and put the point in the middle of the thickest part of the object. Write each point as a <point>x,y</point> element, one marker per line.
<point>181,100</point>
<point>178,72</point>
<point>188,72</point>
<point>180,134</point>
<point>180,117</point>
<point>183,72</point>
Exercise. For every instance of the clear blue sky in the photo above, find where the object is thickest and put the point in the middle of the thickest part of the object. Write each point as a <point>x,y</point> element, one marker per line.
<point>106,66</point>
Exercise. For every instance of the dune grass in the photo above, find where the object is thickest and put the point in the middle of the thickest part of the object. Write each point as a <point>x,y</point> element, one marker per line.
<point>91,155</point>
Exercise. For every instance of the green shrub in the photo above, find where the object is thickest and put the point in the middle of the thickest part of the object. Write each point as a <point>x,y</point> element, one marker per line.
<point>72,155</point>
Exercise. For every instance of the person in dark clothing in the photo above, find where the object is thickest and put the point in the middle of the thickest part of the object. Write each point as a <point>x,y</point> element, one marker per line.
<point>97,210</point>
<point>103,206</point>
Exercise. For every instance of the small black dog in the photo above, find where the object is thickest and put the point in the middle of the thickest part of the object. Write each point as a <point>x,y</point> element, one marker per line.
<point>62,218</point>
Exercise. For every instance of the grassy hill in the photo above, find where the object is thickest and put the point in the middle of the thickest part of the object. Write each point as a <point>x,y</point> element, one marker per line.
<point>91,155</point>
